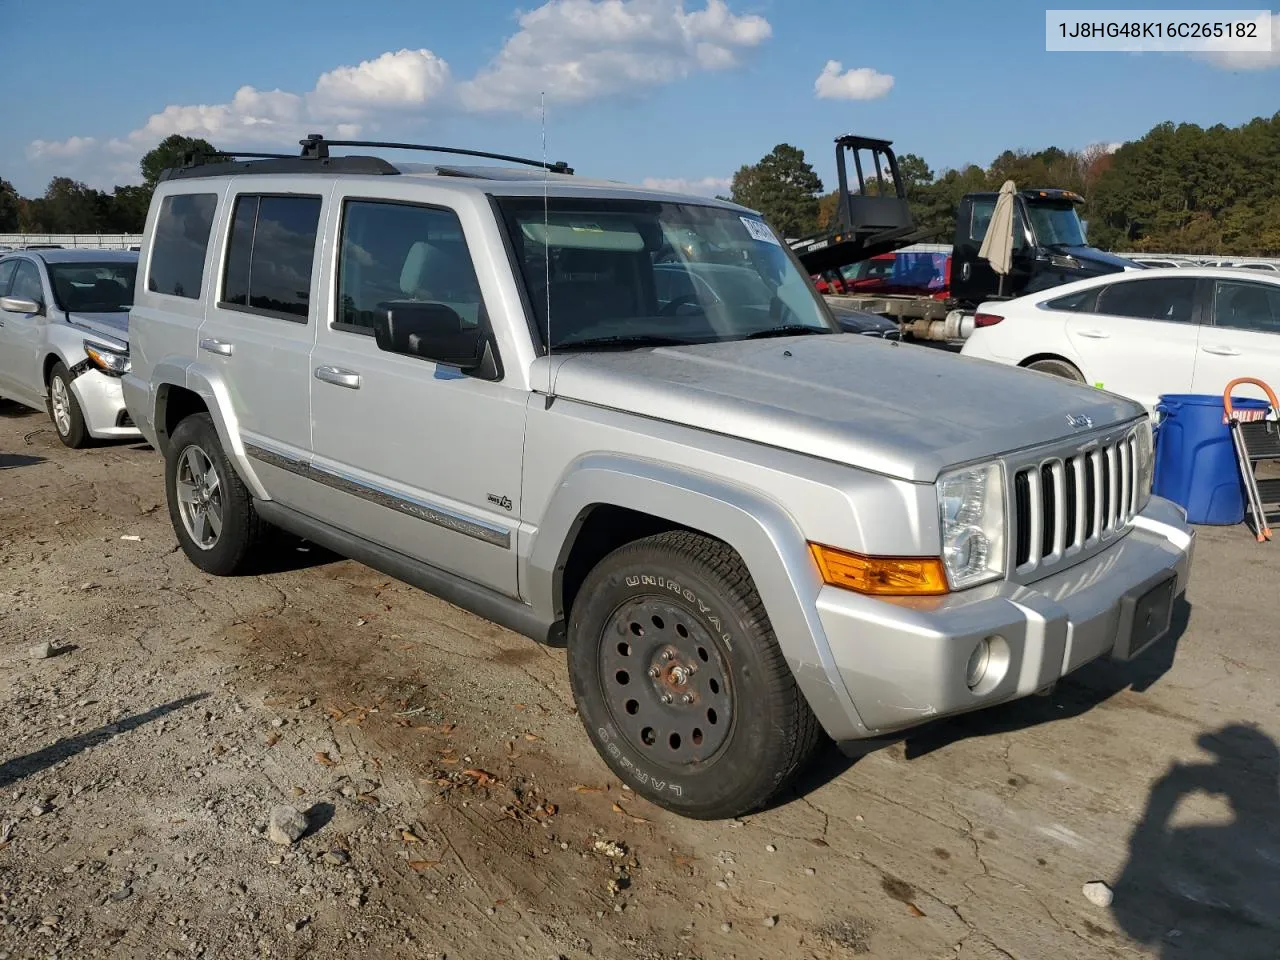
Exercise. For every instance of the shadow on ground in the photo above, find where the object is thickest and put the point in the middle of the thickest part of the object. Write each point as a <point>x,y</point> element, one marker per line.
<point>1091,685</point>
<point>10,460</point>
<point>11,771</point>
<point>1209,890</point>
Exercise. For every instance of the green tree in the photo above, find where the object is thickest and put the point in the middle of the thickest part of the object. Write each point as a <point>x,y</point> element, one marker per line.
<point>69,206</point>
<point>127,209</point>
<point>783,187</point>
<point>170,152</point>
<point>10,206</point>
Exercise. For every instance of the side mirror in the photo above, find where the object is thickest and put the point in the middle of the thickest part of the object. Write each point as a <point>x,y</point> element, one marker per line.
<point>20,305</point>
<point>430,331</point>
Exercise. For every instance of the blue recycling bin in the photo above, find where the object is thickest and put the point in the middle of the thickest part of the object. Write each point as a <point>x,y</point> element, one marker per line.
<point>1196,464</point>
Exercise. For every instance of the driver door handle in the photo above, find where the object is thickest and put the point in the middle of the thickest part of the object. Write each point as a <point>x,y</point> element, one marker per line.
<point>1222,351</point>
<point>220,347</point>
<point>1095,334</point>
<point>339,377</point>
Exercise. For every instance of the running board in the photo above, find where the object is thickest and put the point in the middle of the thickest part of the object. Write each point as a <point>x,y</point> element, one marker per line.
<point>483,602</point>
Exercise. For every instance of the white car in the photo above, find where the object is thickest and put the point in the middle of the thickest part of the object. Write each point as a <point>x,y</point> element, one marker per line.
<point>64,329</point>
<point>1168,330</point>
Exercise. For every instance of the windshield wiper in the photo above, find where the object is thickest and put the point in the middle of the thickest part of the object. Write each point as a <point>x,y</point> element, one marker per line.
<point>624,340</point>
<point>787,330</point>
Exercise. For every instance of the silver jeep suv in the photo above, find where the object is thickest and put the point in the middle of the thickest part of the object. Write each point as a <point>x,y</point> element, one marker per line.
<point>624,420</point>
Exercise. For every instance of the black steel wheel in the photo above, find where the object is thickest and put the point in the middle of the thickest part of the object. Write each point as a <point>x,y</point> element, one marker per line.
<point>680,681</point>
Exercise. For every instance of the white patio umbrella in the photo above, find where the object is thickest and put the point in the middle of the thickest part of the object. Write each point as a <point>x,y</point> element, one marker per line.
<point>997,245</point>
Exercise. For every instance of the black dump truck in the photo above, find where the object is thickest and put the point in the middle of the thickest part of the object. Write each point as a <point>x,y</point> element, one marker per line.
<point>1049,245</point>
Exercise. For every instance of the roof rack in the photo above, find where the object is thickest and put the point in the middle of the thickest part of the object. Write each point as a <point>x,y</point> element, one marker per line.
<point>316,146</point>
<point>315,158</point>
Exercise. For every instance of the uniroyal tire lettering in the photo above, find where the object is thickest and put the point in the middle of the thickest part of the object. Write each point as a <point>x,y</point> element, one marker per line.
<point>652,580</point>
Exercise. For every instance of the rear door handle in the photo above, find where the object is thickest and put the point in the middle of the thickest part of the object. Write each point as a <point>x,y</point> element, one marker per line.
<point>339,377</point>
<point>1095,334</point>
<point>219,347</point>
<point>1222,351</point>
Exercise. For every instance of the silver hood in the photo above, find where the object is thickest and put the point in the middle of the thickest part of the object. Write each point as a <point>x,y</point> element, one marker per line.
<point>113,326</point>
<point>896,409</point>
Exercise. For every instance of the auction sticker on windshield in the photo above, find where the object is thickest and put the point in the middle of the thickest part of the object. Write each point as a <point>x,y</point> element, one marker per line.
<point>759,230</point>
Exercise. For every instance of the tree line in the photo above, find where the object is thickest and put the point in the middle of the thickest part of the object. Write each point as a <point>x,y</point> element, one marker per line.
<point>1180,188</point>
<point>69,206</point>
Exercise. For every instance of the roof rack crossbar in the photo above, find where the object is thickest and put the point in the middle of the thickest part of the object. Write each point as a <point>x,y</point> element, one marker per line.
<point>195,158</point>
<point>316,146</point>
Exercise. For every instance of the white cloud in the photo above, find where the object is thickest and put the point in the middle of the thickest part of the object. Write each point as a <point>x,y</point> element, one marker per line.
<point>71,147</point>
<point>862,83</point>
<point>576,50</point>
<point>1242,60</point>
<point>400,80</point>
<point>704,187</point>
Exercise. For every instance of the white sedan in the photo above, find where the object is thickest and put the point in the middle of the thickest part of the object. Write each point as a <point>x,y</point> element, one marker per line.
<point>1169,330</point>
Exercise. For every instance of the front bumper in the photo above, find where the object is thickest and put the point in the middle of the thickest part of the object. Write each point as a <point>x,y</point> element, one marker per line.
<point>102,404</point>
<point>904,662</point>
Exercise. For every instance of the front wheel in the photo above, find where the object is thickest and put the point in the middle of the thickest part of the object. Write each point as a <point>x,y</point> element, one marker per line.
<point>64,409</point>
<point>680,681</point>
<point>1058,368</point>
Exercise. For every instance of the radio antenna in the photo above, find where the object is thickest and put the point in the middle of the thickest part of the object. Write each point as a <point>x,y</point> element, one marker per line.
<point>546,245</point>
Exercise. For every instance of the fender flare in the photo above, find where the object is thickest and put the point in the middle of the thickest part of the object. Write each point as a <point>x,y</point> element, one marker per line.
<point>205,383</point>
<point>762,532</point>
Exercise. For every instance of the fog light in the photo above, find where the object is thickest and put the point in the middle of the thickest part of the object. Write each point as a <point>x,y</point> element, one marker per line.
<point>978,660</point>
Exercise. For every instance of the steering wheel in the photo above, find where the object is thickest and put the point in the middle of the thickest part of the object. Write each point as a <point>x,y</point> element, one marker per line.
<point>688,300</point>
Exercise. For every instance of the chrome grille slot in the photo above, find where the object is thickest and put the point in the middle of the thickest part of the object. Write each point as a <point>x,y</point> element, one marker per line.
<point>1064,505</point>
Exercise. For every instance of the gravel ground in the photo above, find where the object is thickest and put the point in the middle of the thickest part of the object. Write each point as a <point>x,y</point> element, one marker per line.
<point>168,735</point>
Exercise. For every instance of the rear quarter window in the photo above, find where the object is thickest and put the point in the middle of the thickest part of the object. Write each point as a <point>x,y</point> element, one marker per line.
<point>179,243</point>
<point>1082,301</point>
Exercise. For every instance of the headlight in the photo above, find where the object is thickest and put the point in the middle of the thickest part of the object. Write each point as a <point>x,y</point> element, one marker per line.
<point>111,362</point>
<point>971,513</point>
<point>1146,466</point>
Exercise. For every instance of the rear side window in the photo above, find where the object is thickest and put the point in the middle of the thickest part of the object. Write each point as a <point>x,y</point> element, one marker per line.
<point>1160,298</point>
<point>1241,305</point>
<point>397,253</point>
<point>1083,301</point>
<point>271,254</point>
<point>180,242</point>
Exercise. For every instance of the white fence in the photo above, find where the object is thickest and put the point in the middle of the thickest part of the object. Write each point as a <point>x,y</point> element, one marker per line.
<point>96,241</point>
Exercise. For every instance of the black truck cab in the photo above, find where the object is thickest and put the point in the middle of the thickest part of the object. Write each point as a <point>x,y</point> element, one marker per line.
<point>1049,247</point>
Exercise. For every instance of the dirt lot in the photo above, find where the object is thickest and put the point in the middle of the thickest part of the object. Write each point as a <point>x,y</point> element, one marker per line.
<point>455,804</point>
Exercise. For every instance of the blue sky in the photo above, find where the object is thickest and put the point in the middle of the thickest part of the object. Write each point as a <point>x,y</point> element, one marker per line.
<point>637,89</point>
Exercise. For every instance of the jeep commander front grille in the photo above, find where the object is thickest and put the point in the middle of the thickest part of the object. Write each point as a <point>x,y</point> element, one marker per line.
<point>1066,503</point>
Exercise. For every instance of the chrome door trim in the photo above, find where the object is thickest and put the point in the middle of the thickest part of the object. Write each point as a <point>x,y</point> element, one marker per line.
<point>373,493</point>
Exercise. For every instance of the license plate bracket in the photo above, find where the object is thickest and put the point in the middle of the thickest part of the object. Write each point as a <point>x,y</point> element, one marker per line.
<point>1144,619</point>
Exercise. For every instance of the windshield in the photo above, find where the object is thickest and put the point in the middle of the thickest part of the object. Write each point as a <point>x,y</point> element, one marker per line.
<point>93,287</point>
<point>634,271</point>
<point>1056,224</point>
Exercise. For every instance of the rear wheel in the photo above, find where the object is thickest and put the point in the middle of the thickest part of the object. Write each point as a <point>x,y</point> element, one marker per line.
<point>679,679</point>
<point>210,507</point>
<point>64,409</point>
<point>1058,368</point>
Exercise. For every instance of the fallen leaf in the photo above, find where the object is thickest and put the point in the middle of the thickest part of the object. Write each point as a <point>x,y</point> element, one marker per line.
<point>532,736</point>
<point>408,836</point>
<point>683,861</point>
<point>273,739</point>
<point>448,728</point>
<point>367,798</point>
<point>550,809</point>
<point>5,844</point>
<point>582,788</point>
<point>421,865</point>
<point>915,911</point>
<point>449,760</point>
<point>335,713</point>
<point>323,758</point>
<point>481,777</point>
<point>617,808</point>
<point>819,842</point>
<point>511,747</point>
<point>519,706</point>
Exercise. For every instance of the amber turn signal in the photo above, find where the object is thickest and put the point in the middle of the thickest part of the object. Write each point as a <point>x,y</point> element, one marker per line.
<point>881,576</point>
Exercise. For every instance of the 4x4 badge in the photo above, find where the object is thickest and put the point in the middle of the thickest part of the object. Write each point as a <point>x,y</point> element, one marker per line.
<point>1079,420</point>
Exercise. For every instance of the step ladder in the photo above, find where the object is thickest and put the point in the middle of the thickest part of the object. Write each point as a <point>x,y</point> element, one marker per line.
<point>1257,440</point>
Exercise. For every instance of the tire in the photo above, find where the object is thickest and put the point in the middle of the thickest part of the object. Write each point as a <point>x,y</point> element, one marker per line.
<point>1058,368</point>
<point>64,409</point>
<point>230,530</point>
<point>745,731</point>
